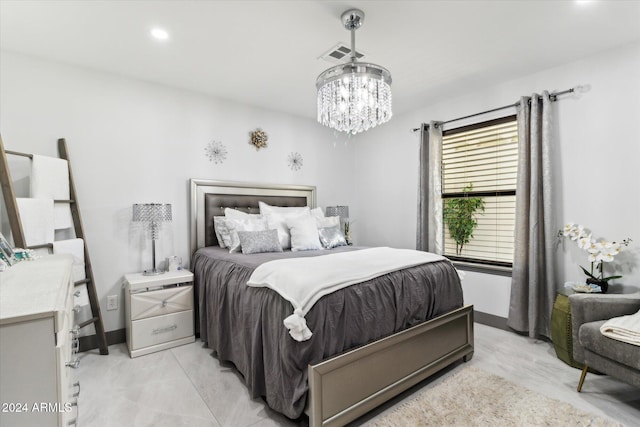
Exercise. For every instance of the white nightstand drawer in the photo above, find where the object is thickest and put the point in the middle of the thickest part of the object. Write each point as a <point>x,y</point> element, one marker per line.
<point>161,302</point>
<point>156,330</point>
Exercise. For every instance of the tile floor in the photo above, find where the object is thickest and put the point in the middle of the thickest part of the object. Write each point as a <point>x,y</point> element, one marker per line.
<point>187,386</point>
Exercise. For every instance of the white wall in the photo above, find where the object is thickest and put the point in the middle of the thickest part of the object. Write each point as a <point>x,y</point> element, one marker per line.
<point>136,142</point>
<point>596,175</point>
<point>133,142</point>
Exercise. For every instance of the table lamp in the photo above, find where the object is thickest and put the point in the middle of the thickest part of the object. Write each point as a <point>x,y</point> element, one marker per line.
<point>152,214</point>
<point>343,213</point>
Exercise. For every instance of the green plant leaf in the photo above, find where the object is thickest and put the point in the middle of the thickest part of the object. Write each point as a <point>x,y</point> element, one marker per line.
<point>588,274</point>
<point>459,216</point>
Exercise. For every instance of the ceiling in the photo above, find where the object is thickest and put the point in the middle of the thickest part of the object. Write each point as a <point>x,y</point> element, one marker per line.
<point>266,53</point>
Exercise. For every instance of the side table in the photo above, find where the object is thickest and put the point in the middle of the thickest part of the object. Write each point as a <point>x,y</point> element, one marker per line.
<point>159,311</point>
<point>561,334</point>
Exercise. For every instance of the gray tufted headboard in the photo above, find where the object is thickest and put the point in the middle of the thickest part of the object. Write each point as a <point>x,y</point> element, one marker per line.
<point>210,198</point>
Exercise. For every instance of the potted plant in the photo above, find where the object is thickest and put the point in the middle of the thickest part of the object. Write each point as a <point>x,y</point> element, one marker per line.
<point>459,216</point>
<point>600,251</point>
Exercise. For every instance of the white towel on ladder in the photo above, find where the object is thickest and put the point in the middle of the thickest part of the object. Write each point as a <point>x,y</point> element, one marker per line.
<point>50,179</point>
<point>74,247</point>
<point>36,216</point>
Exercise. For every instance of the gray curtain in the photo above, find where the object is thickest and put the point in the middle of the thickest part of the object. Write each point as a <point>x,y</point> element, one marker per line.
<point>430,234</point>
<point>532,280</point>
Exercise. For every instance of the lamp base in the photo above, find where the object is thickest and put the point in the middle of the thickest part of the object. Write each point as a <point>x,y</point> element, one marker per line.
<point>152,272</point>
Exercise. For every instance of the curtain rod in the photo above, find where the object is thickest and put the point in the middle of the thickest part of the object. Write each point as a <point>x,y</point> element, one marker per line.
<point>552,97</point>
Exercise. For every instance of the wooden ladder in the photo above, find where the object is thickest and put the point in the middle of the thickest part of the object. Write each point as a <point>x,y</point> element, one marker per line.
<point>19,238</point>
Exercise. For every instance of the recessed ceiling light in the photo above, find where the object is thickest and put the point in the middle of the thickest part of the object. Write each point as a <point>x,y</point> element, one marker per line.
<point>584,2</point>
<point>159,34</point>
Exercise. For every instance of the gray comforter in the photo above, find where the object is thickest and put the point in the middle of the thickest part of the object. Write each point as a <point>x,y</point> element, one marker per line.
<point>243,324</point>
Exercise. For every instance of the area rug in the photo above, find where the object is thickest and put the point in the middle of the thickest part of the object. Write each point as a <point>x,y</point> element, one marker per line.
<point>472,397</point>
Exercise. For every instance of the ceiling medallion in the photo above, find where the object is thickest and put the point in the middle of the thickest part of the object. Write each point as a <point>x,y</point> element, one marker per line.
<point>355,96</point>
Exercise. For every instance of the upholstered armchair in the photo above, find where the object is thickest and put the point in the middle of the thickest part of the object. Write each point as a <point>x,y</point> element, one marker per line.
<point>609,356</point>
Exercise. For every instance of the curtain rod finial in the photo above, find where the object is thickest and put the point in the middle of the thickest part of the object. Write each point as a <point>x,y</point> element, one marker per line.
<point>581,88</point>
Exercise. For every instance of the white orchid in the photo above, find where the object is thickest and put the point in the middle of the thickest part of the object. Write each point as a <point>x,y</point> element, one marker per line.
<point>593,249</point>
<point>568,229</point>
<point>607,251</point>
<point>578,232</point>
<point>574,232</point>
<point>599,251</point>
<point>585,242</point>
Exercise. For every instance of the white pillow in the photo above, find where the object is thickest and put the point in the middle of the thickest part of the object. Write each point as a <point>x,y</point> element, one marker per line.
<point>277,219</point>
<point>246,224</point>
<point>266,209</point>
<point>236,214</point>
<point>220,227</point>
<point>304,233</point>
<point>329,221</point>
<point>317,213</point>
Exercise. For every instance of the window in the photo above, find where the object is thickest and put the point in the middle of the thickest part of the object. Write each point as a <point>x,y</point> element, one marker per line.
<point>479,171</point>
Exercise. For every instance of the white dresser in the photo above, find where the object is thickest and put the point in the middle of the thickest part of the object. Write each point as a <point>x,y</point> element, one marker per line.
<point>38,343</point>
<point>159,311</point>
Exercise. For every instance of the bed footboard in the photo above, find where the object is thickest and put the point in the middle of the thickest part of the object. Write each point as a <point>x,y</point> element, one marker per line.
<point>346,387</point>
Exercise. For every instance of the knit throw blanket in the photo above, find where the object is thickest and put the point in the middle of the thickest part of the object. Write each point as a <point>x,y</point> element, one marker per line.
<point>624,328</point>
<point>303,281</point>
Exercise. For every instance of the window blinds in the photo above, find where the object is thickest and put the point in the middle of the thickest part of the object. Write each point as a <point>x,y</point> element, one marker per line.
<point>484,156</point>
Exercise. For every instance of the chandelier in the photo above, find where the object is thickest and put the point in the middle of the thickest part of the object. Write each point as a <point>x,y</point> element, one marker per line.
<point>355,96</point>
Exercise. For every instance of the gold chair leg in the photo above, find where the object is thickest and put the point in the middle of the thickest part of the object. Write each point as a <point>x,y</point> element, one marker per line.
<point>584,374</point>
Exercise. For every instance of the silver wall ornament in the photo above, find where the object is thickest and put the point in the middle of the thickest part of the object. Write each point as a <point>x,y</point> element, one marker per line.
<point>259,139</point>
<point>295,161</point>
<point>216,152</point>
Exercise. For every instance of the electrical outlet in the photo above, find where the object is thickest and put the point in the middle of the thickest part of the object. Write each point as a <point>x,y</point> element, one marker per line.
<point>112,302</point>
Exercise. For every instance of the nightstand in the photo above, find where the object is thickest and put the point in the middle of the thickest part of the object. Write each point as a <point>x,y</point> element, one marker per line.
<point>159,311</point>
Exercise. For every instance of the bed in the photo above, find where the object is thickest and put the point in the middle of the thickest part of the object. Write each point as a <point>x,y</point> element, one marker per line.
<point>359,356</point>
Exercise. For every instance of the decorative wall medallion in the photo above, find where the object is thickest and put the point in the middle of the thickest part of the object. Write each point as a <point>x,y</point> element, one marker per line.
<point>295,161</point>
<point>259,139</point>
<point>216,152</point>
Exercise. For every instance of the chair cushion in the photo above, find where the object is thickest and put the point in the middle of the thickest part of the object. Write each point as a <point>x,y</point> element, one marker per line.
<point>592,339</point>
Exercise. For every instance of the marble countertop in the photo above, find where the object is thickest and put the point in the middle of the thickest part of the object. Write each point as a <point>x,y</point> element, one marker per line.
<point>34,289</point>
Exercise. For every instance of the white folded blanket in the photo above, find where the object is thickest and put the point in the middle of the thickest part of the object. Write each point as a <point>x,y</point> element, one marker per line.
<point>303,281</point>
<point>624,328</point>
<point>36,216</point>
<point>50,179</point>
<point>75,247</point>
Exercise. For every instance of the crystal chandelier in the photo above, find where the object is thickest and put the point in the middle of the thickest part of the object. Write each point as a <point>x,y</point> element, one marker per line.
<point>355,96</point>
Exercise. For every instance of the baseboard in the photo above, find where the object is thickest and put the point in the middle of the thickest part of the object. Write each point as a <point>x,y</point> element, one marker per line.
<point>90,342</point>
<point>491,320</point>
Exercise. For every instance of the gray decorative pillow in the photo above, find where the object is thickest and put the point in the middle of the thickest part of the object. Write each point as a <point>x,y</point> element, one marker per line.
<point>331,237</point>
<point>245,224</point>
<point>222,232</point>
<point>253,242</point>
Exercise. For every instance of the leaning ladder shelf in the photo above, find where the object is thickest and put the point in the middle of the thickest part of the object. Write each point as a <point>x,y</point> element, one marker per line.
<point>19,239</point>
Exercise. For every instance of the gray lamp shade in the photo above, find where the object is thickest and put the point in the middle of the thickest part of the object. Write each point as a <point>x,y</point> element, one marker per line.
<point>151,212</point>
<point>341,211</point>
